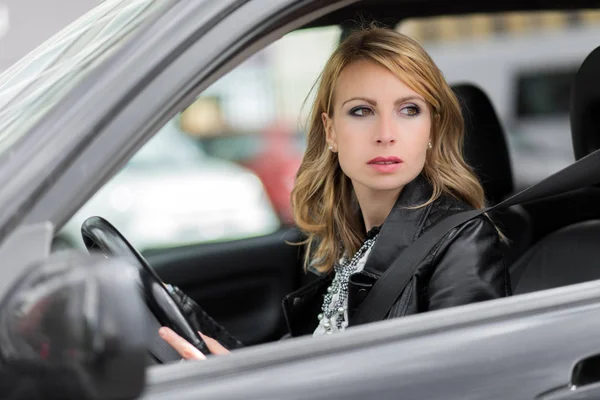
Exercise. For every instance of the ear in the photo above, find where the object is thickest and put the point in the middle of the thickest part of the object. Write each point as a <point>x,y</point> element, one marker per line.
<point>329,131</point>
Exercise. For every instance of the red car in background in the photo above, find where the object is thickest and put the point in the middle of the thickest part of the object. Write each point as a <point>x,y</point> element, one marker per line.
<point>274,155</point>
<point>277,165</point>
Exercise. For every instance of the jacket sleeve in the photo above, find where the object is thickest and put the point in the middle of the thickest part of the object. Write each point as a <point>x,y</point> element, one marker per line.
<point>468,267</point>
<point>202,322</point>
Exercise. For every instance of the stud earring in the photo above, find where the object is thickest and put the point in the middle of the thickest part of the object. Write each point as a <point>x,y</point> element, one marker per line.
<point>430,145</point>
<point>330,148</point>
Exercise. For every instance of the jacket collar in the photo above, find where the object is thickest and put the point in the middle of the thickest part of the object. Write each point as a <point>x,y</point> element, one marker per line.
<point>402,226</point>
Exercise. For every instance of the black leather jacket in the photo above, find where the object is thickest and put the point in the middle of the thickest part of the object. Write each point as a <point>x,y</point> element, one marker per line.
<point>465,267</point>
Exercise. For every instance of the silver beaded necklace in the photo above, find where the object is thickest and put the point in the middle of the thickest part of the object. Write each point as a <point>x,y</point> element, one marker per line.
<point>339,286</point>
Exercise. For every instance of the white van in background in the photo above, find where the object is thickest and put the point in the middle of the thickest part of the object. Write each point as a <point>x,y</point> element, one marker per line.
<point>528,87</point>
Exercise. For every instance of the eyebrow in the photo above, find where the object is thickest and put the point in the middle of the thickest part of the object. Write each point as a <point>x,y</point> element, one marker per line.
<point>374,103</point>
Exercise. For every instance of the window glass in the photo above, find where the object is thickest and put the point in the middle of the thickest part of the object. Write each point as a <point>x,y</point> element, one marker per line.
<point>222,169</point>
<point>31,87</point>
<point>525,62</point>
<point>255,116</point>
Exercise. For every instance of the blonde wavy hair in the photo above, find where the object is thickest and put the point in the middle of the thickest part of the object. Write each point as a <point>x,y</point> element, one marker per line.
<point>323,200</point>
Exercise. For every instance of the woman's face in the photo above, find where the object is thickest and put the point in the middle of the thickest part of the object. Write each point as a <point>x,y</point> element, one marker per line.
<point>380,128</point>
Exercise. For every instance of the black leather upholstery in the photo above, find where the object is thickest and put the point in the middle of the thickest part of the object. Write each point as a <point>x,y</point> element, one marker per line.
<point>565,257</point>
<point>585,106</point>
<point>485,148</point>
<point>486,151</point>
<point>570,255</point>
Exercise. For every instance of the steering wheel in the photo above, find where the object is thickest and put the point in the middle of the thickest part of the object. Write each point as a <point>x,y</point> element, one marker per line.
<point>99,234</point>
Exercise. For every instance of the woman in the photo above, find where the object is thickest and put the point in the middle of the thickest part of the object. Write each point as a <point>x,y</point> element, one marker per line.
<point>383,165</point>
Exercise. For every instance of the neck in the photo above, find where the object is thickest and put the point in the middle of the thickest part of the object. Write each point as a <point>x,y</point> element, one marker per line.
<point>375,205</point>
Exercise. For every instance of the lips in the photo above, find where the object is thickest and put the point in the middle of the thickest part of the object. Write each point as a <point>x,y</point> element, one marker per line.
<point>385,161</point>
<point>385,165</point>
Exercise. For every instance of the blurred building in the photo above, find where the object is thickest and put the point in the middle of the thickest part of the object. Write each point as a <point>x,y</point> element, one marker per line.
<point>482,26</point>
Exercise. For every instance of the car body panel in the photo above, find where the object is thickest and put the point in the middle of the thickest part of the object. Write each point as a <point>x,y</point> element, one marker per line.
<point>521,347</point>
<point>515,348</point>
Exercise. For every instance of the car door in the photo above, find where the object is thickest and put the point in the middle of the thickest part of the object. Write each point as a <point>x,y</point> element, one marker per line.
<point>240,284</point>
<point>537,346</point>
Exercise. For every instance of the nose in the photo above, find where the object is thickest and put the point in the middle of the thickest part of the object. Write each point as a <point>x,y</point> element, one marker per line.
<point>386,131</point>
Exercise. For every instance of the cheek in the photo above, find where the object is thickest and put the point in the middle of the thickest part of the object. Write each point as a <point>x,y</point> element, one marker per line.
<point>349,131</point>
<point>351,138</point>
<point>416,144</point>
<point>347,157</point>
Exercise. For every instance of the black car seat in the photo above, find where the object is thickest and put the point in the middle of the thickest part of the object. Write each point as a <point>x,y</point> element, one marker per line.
<point>570,255</point>
<point>486,151</point>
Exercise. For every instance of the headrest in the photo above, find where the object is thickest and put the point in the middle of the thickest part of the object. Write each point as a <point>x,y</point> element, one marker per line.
<point>485,148</point>
<point>585,106</point>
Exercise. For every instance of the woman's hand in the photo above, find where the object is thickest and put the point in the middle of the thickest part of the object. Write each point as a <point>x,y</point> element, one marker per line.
<point>185,349</point>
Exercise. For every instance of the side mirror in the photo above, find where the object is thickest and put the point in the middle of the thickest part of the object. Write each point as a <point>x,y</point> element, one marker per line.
<point>73,327</point>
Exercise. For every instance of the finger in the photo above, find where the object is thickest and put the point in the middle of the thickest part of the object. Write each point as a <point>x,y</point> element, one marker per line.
<point>182,346</point>
<point>214,346</point>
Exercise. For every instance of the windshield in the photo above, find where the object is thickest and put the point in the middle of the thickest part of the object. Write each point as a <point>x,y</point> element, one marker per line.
<point>31,87</point>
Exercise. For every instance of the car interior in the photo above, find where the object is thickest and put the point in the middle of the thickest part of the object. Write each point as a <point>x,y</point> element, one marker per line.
<point>241,283</point>
<point>575,244</point>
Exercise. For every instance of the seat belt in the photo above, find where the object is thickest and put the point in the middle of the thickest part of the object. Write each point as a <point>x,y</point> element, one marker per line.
<point>388,288</point>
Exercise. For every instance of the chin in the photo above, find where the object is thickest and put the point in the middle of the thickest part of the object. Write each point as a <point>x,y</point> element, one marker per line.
<point>385,188</point>
<point>388,183</point>
<point>385,185</point>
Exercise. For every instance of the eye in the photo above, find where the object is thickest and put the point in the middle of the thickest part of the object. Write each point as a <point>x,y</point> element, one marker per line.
<point>411,110</point>
<point>361,111</point>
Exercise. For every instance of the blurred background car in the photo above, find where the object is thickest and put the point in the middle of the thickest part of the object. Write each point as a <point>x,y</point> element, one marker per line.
<point>274,155</point>
<point>273,150</point>
<point>172,193</point>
